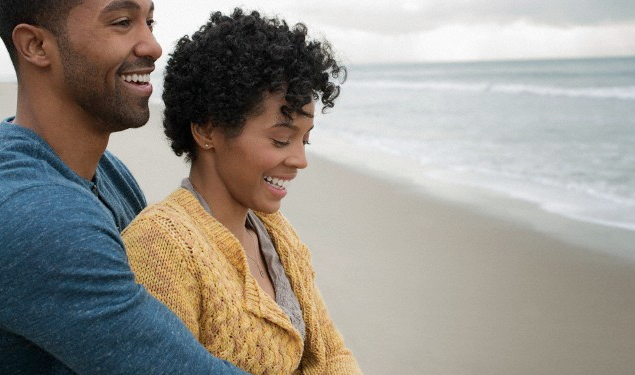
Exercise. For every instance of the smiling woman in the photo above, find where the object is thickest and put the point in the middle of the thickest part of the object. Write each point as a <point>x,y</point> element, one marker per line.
<point>240,96</point>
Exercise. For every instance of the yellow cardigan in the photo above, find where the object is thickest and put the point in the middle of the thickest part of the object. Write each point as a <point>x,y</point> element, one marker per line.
<point>197,267</point>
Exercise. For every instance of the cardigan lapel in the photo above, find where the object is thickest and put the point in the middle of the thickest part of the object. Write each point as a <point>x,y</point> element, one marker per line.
<point>302,279</point>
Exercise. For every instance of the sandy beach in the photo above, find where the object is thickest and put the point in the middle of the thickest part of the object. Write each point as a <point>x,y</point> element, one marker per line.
<point>419,284</point>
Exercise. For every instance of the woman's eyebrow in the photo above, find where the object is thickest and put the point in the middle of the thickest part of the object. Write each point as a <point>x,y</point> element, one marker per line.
<point>289,125</point>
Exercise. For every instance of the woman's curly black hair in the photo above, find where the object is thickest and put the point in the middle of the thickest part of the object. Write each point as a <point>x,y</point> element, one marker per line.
<point>224,70</point>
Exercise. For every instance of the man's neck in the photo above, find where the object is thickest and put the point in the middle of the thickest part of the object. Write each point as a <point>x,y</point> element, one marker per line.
<point>78,144</point>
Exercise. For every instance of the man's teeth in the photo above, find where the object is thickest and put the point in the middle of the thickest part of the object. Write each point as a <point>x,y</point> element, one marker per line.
<point>137,78</point>
<point>277,182</point>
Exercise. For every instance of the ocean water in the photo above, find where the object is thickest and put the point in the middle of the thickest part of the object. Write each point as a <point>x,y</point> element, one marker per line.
<point>557,133</point>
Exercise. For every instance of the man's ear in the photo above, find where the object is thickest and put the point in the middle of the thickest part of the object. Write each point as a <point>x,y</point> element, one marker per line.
<point>203,135</point>
<point>33,44</point>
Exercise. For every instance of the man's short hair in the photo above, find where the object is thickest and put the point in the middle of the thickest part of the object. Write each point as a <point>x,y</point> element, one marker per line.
<point>49,14</point>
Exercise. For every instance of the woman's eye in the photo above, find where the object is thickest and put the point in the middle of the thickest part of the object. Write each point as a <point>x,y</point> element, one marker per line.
<point>278,143</point>
<point>151,24</point>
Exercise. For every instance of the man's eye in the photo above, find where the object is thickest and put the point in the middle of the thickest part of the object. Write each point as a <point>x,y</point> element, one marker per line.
<point>151,24</point>
<point>123,22</point>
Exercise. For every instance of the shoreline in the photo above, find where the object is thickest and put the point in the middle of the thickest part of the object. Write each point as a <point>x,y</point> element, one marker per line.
<point>486,199</point>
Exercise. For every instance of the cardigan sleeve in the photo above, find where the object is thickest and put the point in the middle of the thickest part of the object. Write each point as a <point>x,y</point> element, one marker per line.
<point>162,262</point>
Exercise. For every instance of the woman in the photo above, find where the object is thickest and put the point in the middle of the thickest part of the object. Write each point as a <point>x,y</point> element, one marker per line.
<point>239,103</point>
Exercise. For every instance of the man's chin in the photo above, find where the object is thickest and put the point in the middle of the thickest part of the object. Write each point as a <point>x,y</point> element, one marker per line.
<point>130,122</point>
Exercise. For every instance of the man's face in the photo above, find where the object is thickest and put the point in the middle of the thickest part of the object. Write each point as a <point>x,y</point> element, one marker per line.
<point>108,52</point>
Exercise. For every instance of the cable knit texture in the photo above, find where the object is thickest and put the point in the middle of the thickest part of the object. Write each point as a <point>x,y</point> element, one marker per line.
<point>198,268</point>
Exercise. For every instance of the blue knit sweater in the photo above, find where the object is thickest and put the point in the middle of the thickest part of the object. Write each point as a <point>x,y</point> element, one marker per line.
<point>68,299</point>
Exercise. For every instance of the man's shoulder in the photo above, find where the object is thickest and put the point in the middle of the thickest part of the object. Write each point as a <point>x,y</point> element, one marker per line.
<point>22,175</point>
<point>28,165</point>
<point>116,171</point>
<point>53,201</point>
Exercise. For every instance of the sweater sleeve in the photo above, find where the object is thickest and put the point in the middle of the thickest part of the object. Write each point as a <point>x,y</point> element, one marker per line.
<point>67,288</point>
<point>161,262</point>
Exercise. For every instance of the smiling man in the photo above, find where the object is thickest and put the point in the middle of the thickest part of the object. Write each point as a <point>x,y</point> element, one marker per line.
<point>68,299</point>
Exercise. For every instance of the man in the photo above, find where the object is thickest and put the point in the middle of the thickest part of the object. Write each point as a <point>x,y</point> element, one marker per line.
<point>68,300</point>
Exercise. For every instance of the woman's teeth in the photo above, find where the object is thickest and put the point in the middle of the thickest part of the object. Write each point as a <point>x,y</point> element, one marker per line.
<point>277,182</point>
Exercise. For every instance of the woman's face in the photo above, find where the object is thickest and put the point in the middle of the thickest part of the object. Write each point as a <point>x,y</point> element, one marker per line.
<point>255,167</point>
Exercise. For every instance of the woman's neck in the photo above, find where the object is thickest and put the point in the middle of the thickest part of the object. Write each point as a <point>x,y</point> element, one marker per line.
<point>222,208</point>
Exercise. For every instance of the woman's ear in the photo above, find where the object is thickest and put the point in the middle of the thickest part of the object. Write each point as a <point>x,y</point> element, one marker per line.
<point>203,135</point>
<point>34,44</point>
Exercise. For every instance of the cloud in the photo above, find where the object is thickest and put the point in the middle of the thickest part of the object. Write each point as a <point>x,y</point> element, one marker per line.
<point>559,13</point>
<point>431,30</point>
<point>411,16</point>
<point>519,40</point>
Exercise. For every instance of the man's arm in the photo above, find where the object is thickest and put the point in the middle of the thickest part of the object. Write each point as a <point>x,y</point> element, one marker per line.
<point>66,286</point>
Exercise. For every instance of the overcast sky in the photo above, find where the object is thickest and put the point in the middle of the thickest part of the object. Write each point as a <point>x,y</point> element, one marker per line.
<point>431,30</point>
<point>367,31</point>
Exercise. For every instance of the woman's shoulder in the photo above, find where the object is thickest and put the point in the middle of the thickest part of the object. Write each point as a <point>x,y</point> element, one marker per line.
<point>176,211</point>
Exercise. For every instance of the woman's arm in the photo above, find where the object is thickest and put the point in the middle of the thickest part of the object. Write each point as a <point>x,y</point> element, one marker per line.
<point>162,263</point>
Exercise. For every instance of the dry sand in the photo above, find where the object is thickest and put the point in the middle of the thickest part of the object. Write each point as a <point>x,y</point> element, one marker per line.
<point>423,285</point>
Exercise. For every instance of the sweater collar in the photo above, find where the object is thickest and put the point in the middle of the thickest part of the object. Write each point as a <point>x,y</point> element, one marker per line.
<point>219,238</point>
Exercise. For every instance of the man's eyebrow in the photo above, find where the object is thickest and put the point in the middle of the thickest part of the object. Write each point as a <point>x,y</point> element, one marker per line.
<point>124,4</point>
